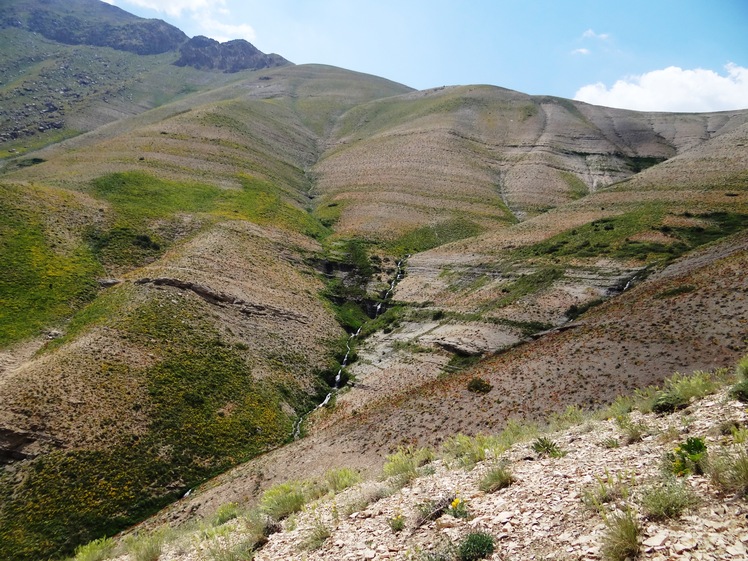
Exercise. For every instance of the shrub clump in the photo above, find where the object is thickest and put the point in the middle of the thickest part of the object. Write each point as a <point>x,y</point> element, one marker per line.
<point>688,457</point>
<point>497,478</point>
<point>479,385</point>
<point>547,447</point>
<point>668,499</point>
<point>476,545</point>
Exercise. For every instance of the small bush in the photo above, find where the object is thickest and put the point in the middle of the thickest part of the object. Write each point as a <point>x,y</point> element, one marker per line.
<point>668,402</point>
<point>479,385</point>
<point>225,512</point>
<point>317,535</point>
<point>469,450</point>
<point>431,510</point>
<point>283,499</point>
<point>729,472</point>
<point>242,551</point>
<point>668,499</point>
<point>403,465</point>
<point>476,545</point>
<point>632,431</point>
<point>97,550</point>
<point>644,398</point>
<point>342,478</point>
<point>547,447</point>
<point>397,523</point>
<point>365,497</point>
<point>741,369</point>
<point>147,547</point>
<point>680,389</point>
<point>515,432</point>
<point>497,478</point>
<point>688,457</point>
<point>740,391</point>
<point>258,527</point>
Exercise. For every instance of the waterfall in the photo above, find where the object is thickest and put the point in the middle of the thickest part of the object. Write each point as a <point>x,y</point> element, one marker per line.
<point>336,387</point>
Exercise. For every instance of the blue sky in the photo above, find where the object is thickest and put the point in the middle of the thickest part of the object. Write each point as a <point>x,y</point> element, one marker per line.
<point>667,55</point>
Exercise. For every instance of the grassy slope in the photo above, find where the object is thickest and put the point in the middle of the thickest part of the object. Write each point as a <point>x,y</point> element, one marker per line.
<point>246,157</point>
<point>189,389</point>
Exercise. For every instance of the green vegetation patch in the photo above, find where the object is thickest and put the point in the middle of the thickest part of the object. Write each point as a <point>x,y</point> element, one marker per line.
<point>526,284</point>
<point>428,237</point>
<point>612,237</point>
<point>144,205</point>
<point>41,284</point>
<point>137,196</point>
<point>71,497</point>
<point>261,202</point>
<point>207,413</point>
<point>577,187</point>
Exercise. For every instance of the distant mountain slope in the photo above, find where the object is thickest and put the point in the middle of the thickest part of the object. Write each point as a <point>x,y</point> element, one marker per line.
<point>186,253</point>
<point>491,153</point>
<point>70,66</point>
<point>91,22</point>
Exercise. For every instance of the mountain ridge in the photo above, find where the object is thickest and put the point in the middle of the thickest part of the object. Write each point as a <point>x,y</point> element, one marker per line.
<point>224,235</point>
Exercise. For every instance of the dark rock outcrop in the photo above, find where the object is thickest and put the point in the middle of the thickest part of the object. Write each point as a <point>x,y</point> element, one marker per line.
<point>204,53</point>
<point>83,22</point>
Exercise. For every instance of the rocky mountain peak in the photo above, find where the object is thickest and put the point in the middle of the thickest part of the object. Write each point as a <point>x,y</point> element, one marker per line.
<point>205,53</point>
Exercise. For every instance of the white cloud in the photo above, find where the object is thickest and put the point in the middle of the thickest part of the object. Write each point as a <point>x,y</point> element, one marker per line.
<point>590,34</point>
<point>580,52</point>
<point>175,8</point>
<point>674,89</point>
<point>207,13</point>
<point>224,31</point>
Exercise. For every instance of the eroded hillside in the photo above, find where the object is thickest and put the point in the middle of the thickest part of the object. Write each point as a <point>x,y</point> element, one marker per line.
<point>184,279</point>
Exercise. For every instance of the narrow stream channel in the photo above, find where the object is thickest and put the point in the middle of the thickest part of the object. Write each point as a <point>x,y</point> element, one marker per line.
<point>344,363</point>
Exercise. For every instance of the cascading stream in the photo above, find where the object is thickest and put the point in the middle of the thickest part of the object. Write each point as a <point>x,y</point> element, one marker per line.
<point>398,276</point>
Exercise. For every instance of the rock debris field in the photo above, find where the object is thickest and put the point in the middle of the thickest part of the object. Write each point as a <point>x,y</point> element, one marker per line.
<point>546,513</point>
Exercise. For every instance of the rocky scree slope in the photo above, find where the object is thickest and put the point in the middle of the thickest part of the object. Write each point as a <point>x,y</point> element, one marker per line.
<point>618,484</point>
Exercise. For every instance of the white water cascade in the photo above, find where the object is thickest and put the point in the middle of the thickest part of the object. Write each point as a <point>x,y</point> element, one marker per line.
<point>336,387</point>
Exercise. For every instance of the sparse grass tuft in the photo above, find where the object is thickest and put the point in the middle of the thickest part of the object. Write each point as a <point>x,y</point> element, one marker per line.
<point>403,465</point>
<point>728,471</point>
<point>495,479</point>
<point>433,509</point>
<point>547,447</point>
<point>317,535</point>
<point>633,431</point>
<point>605,490</point>
<point>667,499</point>
<point>621,539</point>
<point>148,547</point>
